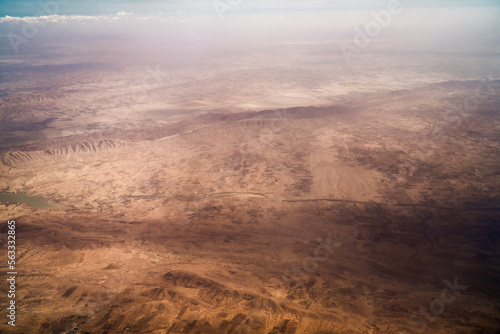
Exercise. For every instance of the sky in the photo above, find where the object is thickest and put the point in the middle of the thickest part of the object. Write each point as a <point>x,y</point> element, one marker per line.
<point>180,26</point>
<point>107,7</point>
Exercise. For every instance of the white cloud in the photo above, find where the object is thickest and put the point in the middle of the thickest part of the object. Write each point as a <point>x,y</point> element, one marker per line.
<point>41,20</point>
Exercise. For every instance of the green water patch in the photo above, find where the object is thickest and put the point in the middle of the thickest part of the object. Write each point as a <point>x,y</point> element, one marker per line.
<point>37,202</point>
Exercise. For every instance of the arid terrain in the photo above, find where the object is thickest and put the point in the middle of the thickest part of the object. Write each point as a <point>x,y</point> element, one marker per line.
<point>209,222</point>
<point>282,190</point>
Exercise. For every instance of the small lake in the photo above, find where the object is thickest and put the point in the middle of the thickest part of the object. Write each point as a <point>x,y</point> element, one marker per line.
<point>37,202</point>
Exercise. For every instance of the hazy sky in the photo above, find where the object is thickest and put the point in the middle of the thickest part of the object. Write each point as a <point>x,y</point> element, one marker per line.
<point>106,7</point>
<point>187,27</point>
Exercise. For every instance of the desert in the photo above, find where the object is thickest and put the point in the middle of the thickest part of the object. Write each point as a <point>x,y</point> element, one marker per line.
<point>249,182</point>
